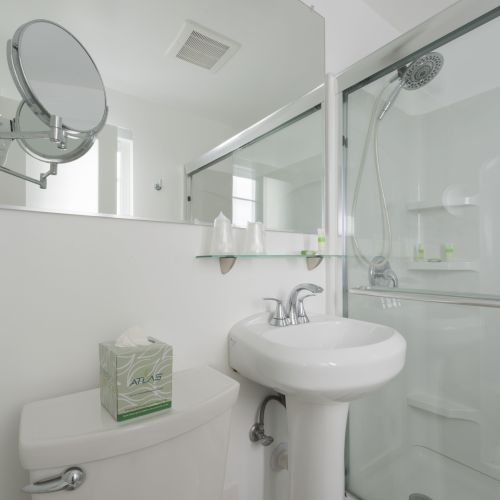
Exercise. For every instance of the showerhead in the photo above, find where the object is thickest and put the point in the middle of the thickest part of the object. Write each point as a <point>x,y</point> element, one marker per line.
<point>422,71</point>
<point>419,73</point>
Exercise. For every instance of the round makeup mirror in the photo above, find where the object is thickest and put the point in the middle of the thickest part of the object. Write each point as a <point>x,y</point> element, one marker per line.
<point>64,99</point>
<point>57,77</point>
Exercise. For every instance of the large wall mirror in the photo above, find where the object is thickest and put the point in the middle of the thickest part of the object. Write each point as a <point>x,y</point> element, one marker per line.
<point>182,78</point>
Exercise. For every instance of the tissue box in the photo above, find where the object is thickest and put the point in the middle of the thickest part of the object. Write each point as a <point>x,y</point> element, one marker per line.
<point>135,380</point>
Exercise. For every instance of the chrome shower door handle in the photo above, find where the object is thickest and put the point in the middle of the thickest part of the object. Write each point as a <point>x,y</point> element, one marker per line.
<point>71,479</point>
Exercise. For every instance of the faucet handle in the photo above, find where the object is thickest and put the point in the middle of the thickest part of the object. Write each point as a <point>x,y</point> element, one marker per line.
<point>279,317</point>
<point>301,312</point>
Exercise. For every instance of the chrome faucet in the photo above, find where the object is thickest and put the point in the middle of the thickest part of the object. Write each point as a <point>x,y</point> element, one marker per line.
<point>293,303</point>
<point>294,313</point>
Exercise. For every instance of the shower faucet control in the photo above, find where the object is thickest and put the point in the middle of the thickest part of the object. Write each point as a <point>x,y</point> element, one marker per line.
<point>380,273</point>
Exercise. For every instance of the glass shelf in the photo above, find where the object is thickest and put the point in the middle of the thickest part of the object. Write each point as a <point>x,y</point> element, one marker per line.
<point>442,297</point>
<point>263,255</point>
<point>227,261</point>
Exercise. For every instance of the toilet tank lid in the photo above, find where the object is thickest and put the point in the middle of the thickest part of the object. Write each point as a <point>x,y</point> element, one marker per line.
<point>74,429</point>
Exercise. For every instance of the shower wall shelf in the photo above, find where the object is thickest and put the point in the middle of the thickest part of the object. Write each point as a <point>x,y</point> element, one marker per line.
<point>437,296</point>
<point>457,265</point>
<point>418,206</point>
<point>226,262</point>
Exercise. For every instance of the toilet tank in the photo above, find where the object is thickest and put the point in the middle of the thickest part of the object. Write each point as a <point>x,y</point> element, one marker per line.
<point>178,454</point>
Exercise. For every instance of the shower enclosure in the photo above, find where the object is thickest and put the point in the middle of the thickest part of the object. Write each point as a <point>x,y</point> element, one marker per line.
<point>422,190</point>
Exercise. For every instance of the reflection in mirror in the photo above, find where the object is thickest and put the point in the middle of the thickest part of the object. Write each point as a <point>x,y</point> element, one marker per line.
<point>276,178</point>
<point>167,104</point>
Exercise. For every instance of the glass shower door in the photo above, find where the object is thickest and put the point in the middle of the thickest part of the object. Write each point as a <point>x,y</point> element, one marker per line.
<point>423,191</point>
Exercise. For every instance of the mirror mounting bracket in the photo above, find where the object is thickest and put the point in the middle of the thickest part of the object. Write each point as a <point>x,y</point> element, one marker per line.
<point>55,133</point>
<point>43,177</point>
<point>7,135</point>
<point>5,128</point>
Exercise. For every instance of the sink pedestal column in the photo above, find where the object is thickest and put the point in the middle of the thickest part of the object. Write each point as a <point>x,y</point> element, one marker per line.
<point>316,441</point>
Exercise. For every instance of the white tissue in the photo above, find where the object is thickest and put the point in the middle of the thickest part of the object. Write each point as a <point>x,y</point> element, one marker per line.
<point>132,337</point>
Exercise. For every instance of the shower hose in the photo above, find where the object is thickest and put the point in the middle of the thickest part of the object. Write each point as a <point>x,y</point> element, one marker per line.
<point>372,135</point>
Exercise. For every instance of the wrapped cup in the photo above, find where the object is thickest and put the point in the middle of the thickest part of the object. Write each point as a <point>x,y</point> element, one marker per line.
<point>254,238</point>
<point>222,236</point>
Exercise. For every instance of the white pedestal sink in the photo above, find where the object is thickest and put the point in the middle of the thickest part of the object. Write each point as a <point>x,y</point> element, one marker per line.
<point>320,366</point>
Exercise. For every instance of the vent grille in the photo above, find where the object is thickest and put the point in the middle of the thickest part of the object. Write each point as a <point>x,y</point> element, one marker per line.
<point>204,48</point>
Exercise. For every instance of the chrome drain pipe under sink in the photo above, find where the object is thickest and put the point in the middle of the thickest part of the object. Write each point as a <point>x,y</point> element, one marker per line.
<point>257,433</point>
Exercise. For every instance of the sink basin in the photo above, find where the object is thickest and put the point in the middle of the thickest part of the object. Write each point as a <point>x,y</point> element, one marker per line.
<point>320,366</point>
<point>330,358</point>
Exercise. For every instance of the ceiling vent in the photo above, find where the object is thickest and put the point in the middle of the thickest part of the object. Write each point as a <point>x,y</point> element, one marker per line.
<point>203,47</point>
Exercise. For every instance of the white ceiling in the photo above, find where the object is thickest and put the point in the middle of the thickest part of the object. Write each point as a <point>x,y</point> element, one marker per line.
<point>281,55</point>
<point>406,14</point>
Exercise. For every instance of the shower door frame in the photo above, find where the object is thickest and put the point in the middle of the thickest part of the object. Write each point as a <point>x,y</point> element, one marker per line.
<point>451,23</point>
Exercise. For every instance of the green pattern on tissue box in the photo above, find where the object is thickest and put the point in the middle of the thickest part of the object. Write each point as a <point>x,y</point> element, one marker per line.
<point>136,380</point>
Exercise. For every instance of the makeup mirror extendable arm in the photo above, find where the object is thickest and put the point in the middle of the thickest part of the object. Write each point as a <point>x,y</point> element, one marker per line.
<point>43,177</point>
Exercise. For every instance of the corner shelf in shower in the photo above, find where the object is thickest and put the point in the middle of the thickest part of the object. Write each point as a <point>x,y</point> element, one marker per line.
<point>457,265</point>
<point>443,408</point>
<point>226,262</point>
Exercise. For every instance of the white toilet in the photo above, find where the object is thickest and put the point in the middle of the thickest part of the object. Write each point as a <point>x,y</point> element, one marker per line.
<point>179,454</point>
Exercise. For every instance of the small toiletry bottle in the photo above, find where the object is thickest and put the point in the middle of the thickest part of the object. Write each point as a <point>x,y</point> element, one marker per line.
<point>321,241</point>
<point>448,251</point>
<point>419,252</point>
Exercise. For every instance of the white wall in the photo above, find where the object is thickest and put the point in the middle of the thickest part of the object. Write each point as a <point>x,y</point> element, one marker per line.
<point>69,282</point>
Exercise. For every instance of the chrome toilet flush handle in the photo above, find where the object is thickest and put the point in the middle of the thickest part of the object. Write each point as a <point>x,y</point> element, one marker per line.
<point>70,479</point>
